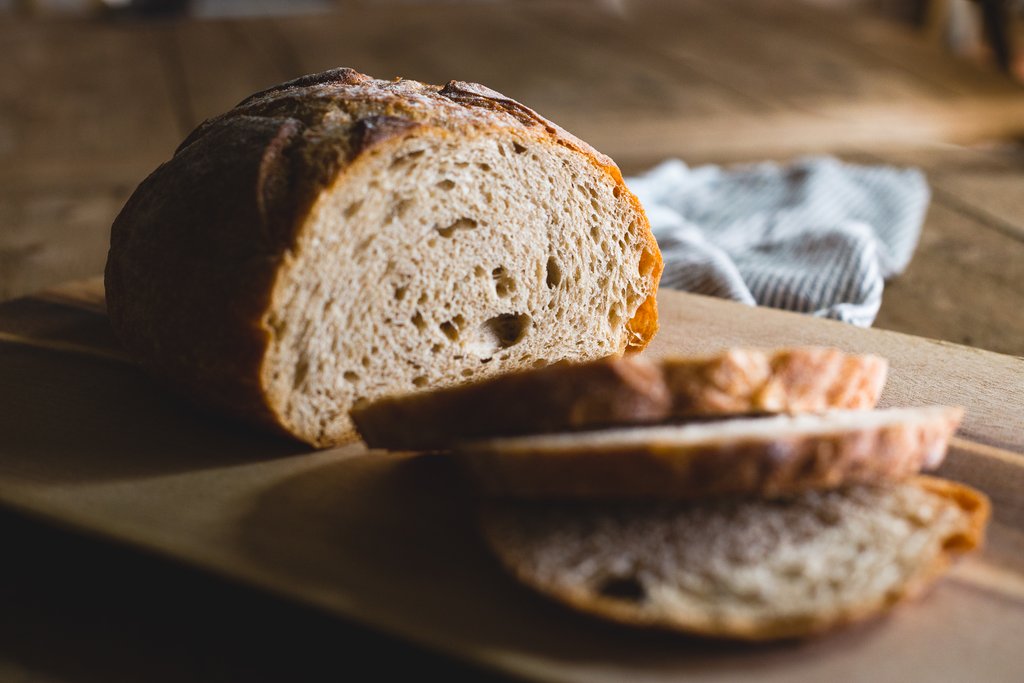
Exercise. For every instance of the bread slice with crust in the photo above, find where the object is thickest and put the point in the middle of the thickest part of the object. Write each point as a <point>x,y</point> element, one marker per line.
<point>741,568</point>
<point>556,398</point>
<point>615,391</point>
<point>339,238</point>
<point>767,456</point>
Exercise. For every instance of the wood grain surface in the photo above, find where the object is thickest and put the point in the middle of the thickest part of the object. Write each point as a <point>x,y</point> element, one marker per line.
<point>91,108</point>
<point>387,540</point>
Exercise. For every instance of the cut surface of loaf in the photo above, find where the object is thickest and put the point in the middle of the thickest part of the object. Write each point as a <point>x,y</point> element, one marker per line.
<point>767,456</point>
<point>339,238</point>
<point>615,391</point>
<point>741,568</point>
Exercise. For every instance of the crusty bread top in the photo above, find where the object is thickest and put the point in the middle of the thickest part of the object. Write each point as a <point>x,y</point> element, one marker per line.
<point>769,456</point>
<point>628,391</point>
<point>615,390</point>
<point>788,380</point>
<point>745,569</point>
<point>198,249</point>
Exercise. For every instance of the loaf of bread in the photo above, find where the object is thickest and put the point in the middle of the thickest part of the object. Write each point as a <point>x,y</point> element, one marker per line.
<point>742,568</point>
<point>767,456</point>
<point>622,391</point>
<point>338,238</point>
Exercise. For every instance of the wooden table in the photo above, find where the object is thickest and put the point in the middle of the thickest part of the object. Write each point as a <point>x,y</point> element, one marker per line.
<point>89,109</point>
<point>86,110</point>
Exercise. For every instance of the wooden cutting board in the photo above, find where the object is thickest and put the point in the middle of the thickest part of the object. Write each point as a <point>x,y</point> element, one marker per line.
<point>388,540</point>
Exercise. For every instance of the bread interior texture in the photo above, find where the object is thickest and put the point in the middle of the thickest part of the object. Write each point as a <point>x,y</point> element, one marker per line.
<point>437,259</point>
<point>744,568</point>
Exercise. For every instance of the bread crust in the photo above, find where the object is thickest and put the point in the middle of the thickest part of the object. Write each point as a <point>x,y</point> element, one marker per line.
<point>788,380</point>
<point>195,251</point>
<point>974,508</point>
<point>558,398</point>
<point>729,464</point>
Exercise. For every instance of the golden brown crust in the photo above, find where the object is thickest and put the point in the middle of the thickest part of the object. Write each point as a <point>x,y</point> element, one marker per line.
<point>545,400</point>
<point>973,505</point>
<point>793,380</point>
<point>195,251</point>
<point>727,464</point>
<point>556,398</point>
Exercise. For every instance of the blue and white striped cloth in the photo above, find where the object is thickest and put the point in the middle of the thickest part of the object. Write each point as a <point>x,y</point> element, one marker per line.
<point>817,236</point>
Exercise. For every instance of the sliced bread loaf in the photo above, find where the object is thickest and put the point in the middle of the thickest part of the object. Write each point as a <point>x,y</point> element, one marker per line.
<point>617,391</point>
<point>338,238</point>
<point>741,568</point>
<point>767,456</point>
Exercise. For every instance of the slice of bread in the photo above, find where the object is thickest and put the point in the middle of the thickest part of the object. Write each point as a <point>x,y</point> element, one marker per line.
<point>617,391</point>
<point>338,238</point>
<point>747,569</point>
<point>557,398</point>
<point>768,456</point>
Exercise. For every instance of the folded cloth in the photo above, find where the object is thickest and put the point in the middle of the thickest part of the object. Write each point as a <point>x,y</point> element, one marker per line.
<point>816,236</point>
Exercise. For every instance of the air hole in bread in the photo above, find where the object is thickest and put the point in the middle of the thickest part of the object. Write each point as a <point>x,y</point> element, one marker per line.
<point>418,321</point>
<point>406,158</point>
<point>435,348</point>
<point>446,184</point>
<point>351,376</point>
<point>467,372</point>
<point>554,273</point>
<point>461,224</point>
<point>519,149</point>
<point>400,292</point>
<point>352,209</point>
<point>595,233</point>
<point>486,168</point>
<point>617,191</point>
<point>365,361</point>
<point>362,244</point>
<point>450,328</point>
<point>301,371</point>
<point>504,284</point>
<point>398,210</point>
<point>614,316</point>
<point>419,381</point>
<point>508,329</point>
<point>479,271</point>
<point>627,588</point>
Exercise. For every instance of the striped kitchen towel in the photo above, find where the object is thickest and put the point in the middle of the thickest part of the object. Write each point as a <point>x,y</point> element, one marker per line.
<point>817,236</point>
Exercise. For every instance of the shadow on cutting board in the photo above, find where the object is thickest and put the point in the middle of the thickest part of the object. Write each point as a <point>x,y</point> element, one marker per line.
<point>72,418</point>
<point>390,540</point>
